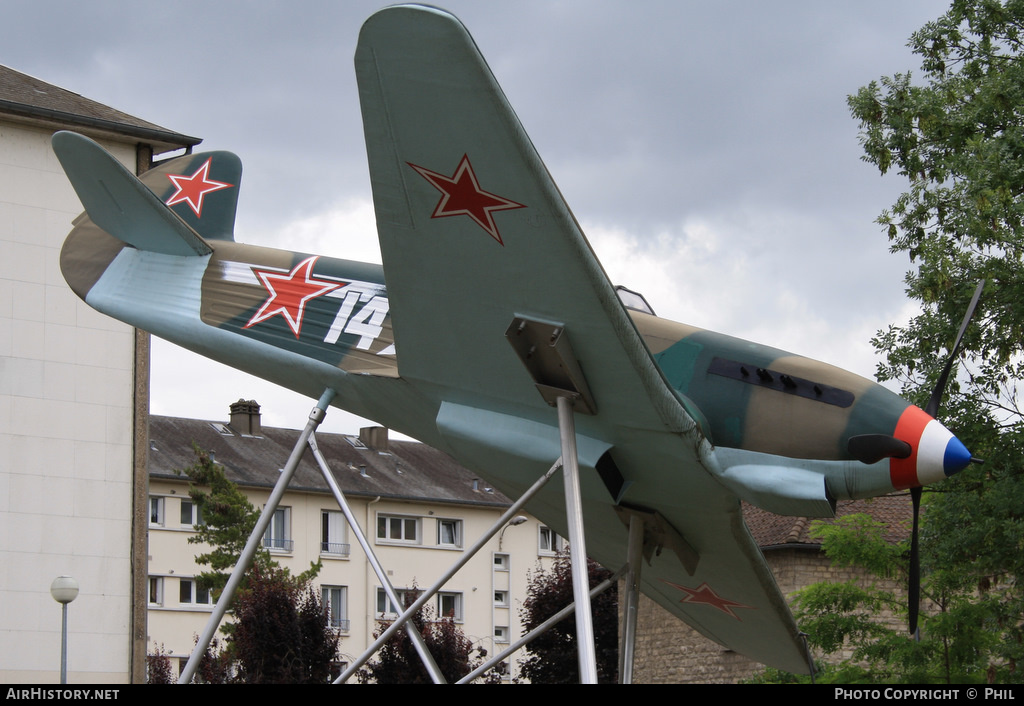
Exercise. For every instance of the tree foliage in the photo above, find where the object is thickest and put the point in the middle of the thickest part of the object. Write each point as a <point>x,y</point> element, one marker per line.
<point>552,657</point>
<point>397,661</point>
<point>158,667</point>
<point>282,634</point>
<point>861,625</point>
<point>957,136</point>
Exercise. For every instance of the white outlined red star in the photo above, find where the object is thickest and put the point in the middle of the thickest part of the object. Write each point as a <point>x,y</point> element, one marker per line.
<point>706,595</point>
<point>461,195</point>
<point>192,189</point>
<point>289,293</point>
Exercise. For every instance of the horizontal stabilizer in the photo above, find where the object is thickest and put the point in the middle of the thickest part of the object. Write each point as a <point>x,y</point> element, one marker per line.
<point>119,203</point>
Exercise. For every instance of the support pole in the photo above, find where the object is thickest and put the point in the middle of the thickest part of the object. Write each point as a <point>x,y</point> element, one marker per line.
<point>64,643</point>
<point>577,545</point>
<point>634,563</point>
<point>245,560</point>
<point>417,639</point>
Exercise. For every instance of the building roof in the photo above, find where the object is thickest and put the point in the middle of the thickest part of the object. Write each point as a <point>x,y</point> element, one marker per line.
<point>777,531</point>
<point>27,98</point>
<point>408,470</point>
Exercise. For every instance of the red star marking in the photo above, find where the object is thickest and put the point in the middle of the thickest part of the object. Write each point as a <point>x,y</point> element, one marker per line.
<point>706,595</point>
<point>461,195</point>
<point>192,189</point>
<point>290,292</point>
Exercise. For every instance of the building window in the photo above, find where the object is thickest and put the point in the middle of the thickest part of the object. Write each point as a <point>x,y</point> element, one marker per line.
<point>449,605</point>
<point>191,514</point>
<point>156,590</point>
<point>156,511</point>
<point>189,593</point>
<point>501,599</point>
<point>398,528</point>
<point>501,634</point>
<point>333,535</point>
<point>386,607</point>
<point>279,535</point>
<point>548,542</point>
<point>337,669</point>
<point>449,533</point>
<point>335,599</point>
<point>501,562</point>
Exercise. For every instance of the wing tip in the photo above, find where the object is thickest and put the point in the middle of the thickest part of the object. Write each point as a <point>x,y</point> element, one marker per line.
<point>410,18</point>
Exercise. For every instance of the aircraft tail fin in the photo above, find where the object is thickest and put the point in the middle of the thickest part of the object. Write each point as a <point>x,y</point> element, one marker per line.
<point>202,189</point>
<point>149,214</point>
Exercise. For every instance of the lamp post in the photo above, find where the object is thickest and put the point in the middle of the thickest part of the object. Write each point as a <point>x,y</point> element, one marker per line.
<point>64,589</point>
<point>514,522</point>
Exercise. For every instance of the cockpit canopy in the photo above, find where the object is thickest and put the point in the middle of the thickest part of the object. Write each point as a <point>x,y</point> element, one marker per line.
<point>633,300</point>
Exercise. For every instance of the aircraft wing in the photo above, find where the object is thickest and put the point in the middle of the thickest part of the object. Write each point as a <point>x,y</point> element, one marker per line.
<point>474,236</point>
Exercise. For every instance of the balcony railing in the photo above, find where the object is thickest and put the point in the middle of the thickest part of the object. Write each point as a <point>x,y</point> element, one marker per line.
<point>336,548</point>
<point>338,624</point>
<point>284,545</point>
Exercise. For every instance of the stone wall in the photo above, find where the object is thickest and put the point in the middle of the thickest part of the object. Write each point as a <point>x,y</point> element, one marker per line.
<point>670,652</point>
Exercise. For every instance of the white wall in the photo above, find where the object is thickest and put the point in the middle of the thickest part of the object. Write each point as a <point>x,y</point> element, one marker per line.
<point>65,435</point>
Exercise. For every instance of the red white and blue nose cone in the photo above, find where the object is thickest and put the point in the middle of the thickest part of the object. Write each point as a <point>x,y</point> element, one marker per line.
<point>936,453</point>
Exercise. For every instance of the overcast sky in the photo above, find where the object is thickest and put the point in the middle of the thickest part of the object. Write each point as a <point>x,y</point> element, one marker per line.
<point>706,148</point>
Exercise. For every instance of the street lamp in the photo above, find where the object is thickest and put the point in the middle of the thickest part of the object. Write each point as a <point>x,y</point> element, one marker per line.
<point>514,522</point>
<point>64,589</point>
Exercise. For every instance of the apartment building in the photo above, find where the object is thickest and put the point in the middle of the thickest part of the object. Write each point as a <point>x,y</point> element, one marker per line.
<point>420,509</point>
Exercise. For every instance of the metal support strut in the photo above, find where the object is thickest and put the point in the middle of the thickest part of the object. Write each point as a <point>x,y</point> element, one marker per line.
<point>417,640</point>
<point>630,603</point>
<point>586,652</point>
<point>316,416</point>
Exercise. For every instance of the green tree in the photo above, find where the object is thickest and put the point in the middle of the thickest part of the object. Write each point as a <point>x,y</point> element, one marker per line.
<point>552,657</point>
<point>957,136</point>
<point>228,519</point>
<point>848,615</point>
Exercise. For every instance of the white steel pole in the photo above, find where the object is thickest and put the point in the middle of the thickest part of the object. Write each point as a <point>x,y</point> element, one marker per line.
<point>577,544</point>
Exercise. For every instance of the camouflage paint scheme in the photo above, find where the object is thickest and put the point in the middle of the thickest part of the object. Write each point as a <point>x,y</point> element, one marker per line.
<point>474,234</point>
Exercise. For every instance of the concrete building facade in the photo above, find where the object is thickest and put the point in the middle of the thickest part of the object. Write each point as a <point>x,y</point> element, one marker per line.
<point>73,398</point>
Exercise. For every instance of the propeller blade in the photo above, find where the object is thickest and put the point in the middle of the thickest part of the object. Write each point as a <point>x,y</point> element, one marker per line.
<point>914,579</point>
<point>932,407</point>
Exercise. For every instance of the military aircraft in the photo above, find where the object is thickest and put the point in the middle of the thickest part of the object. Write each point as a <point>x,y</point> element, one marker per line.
<point>489,308</point>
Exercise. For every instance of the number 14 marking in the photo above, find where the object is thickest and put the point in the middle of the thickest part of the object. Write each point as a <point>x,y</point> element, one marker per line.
<point>366,323</point>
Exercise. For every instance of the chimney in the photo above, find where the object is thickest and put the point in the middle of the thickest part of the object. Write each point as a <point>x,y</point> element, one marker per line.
<point>375,438</point>
<point>245,418</point>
